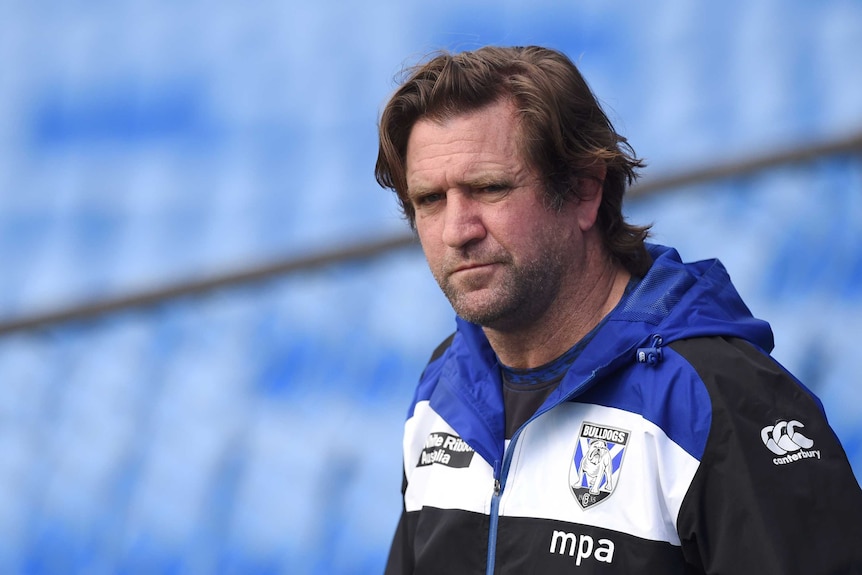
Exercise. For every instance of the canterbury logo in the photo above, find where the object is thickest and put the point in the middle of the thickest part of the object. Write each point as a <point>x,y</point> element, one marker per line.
<point>782,438</point>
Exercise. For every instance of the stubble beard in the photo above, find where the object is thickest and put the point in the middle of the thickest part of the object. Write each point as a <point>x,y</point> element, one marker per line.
<point>514,300</point>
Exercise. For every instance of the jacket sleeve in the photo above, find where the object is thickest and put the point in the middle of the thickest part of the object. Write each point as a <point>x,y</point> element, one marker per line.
<point>774,493</point>
<point>400,561</point>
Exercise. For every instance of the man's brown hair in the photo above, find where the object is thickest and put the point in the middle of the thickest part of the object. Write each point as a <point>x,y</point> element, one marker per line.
<point>564,133</point>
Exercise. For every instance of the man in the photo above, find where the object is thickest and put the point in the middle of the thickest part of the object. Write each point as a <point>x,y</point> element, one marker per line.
<point>602,407</point>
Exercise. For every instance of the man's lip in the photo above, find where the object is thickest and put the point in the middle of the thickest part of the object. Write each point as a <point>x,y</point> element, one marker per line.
<point>472,266</point>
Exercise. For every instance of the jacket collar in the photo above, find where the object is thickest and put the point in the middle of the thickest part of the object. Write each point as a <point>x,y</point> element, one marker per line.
<point>674,301</point>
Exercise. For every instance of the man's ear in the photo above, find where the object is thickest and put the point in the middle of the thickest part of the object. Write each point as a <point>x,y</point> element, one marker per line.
<point>590,197</point>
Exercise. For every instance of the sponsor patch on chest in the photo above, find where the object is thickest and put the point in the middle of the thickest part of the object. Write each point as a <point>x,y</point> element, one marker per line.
<point>597,463</point>
<point>445,449</point>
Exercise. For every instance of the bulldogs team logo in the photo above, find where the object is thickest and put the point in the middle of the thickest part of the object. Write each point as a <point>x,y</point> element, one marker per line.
<point>595,469</point>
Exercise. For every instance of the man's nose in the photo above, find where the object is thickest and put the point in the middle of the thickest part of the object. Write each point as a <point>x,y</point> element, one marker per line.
<point>463,222</point>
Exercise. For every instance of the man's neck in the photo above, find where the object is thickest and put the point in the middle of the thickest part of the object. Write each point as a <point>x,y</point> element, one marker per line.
<point>576,312</point>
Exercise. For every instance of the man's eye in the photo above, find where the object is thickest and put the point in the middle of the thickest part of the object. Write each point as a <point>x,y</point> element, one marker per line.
<point>494,189</point>
<point>427,199</point>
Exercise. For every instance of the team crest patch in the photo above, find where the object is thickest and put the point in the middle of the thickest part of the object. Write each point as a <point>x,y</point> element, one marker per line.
<point>598,460</point>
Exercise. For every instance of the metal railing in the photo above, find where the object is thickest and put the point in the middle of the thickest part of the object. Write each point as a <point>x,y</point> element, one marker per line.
<point>845,146</point>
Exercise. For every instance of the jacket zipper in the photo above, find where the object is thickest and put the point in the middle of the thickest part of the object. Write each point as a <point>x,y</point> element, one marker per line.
<point>651,355</point>
<point>495,509</point>
<point>501,473</point>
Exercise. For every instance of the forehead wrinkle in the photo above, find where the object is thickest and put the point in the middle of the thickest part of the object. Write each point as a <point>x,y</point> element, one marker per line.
<point>463,152</point>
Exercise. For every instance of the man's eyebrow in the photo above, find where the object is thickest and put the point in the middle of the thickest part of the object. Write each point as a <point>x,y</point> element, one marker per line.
<point>489,179</point>
<point>419,190</point>
<point>475,182</point>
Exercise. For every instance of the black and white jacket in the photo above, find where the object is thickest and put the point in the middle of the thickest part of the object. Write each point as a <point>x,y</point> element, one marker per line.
<point>674,444</point>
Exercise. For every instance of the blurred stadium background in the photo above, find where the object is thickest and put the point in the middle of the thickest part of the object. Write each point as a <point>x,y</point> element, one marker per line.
<point>255,428</point>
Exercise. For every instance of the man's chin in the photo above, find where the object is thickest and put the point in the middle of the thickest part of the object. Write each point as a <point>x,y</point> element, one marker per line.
<point>478,312</point>
<point>483,314</point>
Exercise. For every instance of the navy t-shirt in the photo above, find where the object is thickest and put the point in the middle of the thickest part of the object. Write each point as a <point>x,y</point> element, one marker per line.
<point>525,390</point>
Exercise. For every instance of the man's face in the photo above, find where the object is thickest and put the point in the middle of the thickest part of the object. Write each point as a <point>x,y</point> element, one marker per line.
<point>499,255</point>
